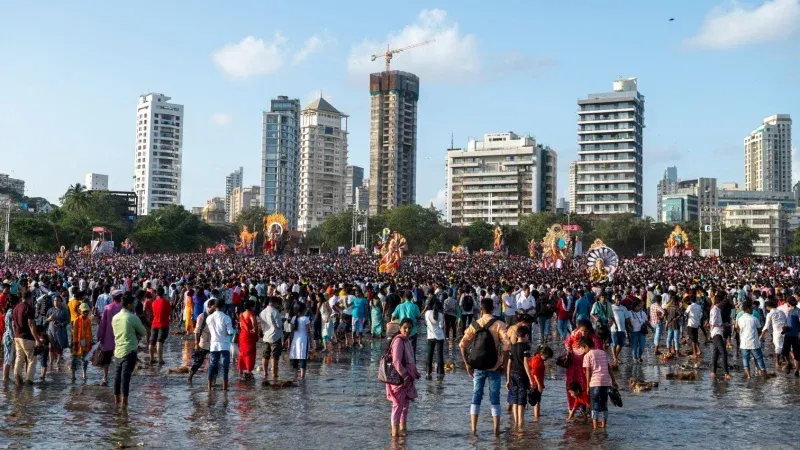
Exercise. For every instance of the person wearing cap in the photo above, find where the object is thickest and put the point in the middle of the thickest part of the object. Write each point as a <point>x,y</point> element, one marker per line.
<point>105,332</point>
<point>81,341</point>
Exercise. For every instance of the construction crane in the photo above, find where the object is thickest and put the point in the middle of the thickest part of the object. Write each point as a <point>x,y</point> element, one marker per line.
<point>390,52</point>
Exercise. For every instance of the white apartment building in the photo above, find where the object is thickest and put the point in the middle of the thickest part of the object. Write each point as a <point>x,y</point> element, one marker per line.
<point>499,179</point>
<point>232,181</point>
<point>768,155</point>
<point>323,162</point>
<point>609,174</point>
<point>573,186</point>
<point>770,221</point>
<point>157,160</point>
<point>95,182</point>
<point>243,199</point>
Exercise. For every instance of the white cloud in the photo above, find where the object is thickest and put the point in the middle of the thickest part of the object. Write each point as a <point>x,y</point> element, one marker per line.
<point>454,55</point>
<point>439,201</point>
<point>251,57</point>
<point>312,45</point>
<point>738,26</point>
<point>221,119</point>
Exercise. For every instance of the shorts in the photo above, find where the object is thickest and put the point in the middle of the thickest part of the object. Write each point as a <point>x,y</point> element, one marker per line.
<point>272,350</point>
<point>618,338</point>
<point>519,390</point>
<point>43,356</point>
<point>358,325</point>
<point>791,345</point>
<point>693,334</point>
<point>777,340</point>
<point>158,335</point>
<point>108,356</point>
<point>347,320</point>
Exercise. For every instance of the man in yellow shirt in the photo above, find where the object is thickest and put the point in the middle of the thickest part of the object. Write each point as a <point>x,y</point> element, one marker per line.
<point>74,305</point>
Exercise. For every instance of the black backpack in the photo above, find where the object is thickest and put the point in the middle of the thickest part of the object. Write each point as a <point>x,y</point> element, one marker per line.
<point>482,352</point>
<point>468,303</point>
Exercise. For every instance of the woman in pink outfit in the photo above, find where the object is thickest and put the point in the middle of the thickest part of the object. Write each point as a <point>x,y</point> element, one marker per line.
<point>575,372</point>
<point>404,362</point>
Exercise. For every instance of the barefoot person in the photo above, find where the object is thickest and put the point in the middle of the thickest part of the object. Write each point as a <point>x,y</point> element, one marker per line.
<point>718,338</point>
<point>748,327</point>
<point>81,341</point>
<point>599,378</point>
<point>128,329</point>
<point>220,330</point>
<point>405,364</point>
<point>202,340</point>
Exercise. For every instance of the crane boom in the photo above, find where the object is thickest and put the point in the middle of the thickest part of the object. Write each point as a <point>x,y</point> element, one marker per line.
<point>390,52</point>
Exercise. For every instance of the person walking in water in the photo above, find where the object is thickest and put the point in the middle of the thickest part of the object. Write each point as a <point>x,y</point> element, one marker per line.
<point>128,329</point>
<point>404,363</point>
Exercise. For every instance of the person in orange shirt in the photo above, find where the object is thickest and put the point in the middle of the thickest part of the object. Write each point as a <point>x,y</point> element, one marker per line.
<point>81,340</point>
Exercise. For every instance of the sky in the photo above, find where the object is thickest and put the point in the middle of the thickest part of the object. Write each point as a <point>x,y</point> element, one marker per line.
<point>72,72</point>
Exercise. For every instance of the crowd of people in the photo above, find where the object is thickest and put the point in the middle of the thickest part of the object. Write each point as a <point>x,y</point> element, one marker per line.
<point>506,316</point>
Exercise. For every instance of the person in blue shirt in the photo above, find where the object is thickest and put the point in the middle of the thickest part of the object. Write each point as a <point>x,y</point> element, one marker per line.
<point>408,310</point>
<point>582,308</point>
<point>359,316</point>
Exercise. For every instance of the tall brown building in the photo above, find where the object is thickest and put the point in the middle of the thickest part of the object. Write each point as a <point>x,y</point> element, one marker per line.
<point>393,139</point>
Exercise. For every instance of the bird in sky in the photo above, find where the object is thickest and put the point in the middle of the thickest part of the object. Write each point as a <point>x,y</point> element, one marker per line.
<point>672,19</point>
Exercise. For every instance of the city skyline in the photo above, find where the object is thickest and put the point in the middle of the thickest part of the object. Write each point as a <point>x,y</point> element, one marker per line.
<point>688,69</point>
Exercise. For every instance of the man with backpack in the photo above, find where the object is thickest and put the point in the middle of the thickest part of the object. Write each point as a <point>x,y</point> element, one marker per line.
<point>481,351</point>
<point>467,304</point>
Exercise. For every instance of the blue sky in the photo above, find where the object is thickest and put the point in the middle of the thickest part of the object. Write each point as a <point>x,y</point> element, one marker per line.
<point>72,71</point>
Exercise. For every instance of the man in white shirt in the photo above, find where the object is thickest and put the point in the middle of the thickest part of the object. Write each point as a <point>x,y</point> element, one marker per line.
<point>526,302</point>
<point>694,314</point>
<point>718,338</point>
<point>749,339</point>
<point>775,321</point>
<point>272,325</point>
<point>220,330</point>
<point>511,309</point>
<point>620,316</point>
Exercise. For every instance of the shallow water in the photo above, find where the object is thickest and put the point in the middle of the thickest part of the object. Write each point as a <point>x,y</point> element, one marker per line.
<point>341,405</point>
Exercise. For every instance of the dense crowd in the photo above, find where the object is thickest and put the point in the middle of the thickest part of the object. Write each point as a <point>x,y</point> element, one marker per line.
<point>103,310</point>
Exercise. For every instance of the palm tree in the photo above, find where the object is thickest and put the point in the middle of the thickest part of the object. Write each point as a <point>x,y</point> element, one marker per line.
<point>76,199</point>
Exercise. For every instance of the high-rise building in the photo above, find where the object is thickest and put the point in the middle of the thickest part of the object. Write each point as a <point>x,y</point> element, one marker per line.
<point>232,181</point>
<point>768,155</point>
<point>355,179</point>
<point>95,182</point>
<point>12,184</point>
<point>499,179</point>
<point>573,187</point>
<point>609,176</point>
<point>280,163</point>
<point>362,196</point>
<point>393,139</point>
<point>705,189</point>
<point>157,160</point>
<point>562,206</point>
<point>678,208</point>
<point>668,184</point>
<point>243,199</point>
<point>731,194</point>
<point>323,162</point>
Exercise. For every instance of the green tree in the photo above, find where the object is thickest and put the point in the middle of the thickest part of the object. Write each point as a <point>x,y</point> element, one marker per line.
<point>477,236</point>
<point>76,199</point>
<point>738,241</point>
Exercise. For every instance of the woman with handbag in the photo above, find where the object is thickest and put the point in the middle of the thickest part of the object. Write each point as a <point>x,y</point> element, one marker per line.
<point>405,368</point>
<point>573,360</point>
<point>639,328</point>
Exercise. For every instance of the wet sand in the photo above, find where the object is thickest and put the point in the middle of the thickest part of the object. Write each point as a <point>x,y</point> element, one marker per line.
<point>341,405</point>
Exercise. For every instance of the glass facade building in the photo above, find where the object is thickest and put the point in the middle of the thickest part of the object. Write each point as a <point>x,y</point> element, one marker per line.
<point>280,145</point>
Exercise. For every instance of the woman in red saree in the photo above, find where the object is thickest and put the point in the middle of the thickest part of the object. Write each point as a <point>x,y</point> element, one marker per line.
<point>248,339</point>
<point>575,371</point>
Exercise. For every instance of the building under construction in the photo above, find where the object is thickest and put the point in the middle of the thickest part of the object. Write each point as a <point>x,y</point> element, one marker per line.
<point>393,139</point>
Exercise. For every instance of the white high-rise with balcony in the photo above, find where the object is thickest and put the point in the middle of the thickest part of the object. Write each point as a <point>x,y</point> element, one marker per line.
<point>157,159</point>
<point>323,163</point>
<point>768,155</point>
<point>609,172</point>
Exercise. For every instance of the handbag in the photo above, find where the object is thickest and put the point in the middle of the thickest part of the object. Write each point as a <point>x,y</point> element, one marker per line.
<point>386,371</point>
<point>644,327</point>
<point>564,360</point>
<point>97,355</point>
<point>534,396</point>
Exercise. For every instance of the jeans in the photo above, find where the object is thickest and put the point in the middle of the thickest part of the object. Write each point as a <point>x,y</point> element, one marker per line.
<point>198,358</point>
<point>657,335</point>
<point>213,366</point>
<point>544,328</point>
<point>758,355</point>
<point>432,347</point>
<point>26,361</point>
<point>637,344</point>
<point>466,320</point>
<point>563,328</point>
<point>719,350</point>
<point>478,382</point>
<point>599,397</point>
<point>674,338</point>
<point>449,326</point>
<point>125,366</point>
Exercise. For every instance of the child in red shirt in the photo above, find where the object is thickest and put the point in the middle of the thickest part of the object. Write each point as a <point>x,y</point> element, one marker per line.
<point>576,392</point>
<point>537,372</point>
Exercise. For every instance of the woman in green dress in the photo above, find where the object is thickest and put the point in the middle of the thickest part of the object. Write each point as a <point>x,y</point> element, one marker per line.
<point>376,315</point>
